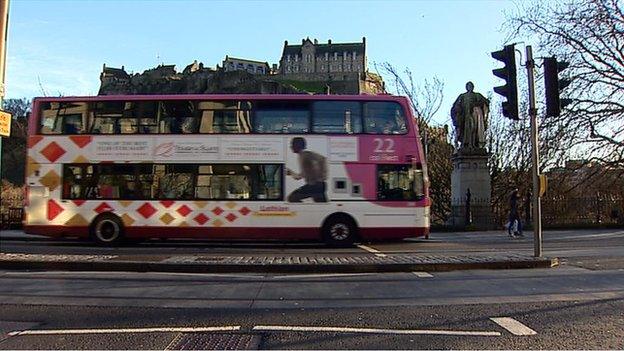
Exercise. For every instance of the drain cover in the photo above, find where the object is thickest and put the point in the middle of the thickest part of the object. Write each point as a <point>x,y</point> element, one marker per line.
<point>212,341</point>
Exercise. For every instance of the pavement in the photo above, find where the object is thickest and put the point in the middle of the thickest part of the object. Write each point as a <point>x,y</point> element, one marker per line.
<point>366,259</point>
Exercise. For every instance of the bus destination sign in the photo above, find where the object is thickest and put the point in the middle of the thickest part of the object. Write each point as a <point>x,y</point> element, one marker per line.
<point>5,124</point>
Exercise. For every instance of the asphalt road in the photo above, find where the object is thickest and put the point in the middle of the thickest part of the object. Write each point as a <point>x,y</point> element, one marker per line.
<point>591,324</point>
<point>559,243</point>
<point>579,305</point>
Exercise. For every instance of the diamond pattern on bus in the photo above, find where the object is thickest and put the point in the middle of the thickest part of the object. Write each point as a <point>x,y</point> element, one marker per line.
<point>31,166</point>
<point>78,203</point>
<point>167,203</point>
<point>52,180</point>
<point>167,218</point>
<point>200,204</point>
<point>80,159</point>
<point>81,140</point>
<point>184,210</point>
<point>244,211</point>
<point>146,210</point>
<point>33,140</point>
<point>77,221</point>
<point>217,211</point>
<point>217,223</point>
<point>125,203</point>
<point>231,217</point>
<point>183,224</point>
<point>230,205</point>
<point>201,219</point>
<point>127,220</point>
<point>53,151</point>
<point>54,209</point>
<point>103,207</point>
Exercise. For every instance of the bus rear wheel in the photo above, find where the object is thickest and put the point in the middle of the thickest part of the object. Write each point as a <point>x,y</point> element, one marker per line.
<point>339,231</point>
<point>107,229</point>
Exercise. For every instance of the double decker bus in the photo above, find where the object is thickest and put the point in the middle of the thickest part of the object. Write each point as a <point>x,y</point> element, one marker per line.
<point>334,168</point>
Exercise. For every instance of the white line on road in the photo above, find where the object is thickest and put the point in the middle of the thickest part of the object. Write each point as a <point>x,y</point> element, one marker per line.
<point>423,274</point>
<point>513,326</point>
<point>374,330</point>
<point>324,275</point>
<point>371,250</point>
<point>125,330</point>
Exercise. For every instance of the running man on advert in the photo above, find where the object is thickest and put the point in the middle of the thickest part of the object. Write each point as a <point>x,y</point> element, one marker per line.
<point>313,168</point>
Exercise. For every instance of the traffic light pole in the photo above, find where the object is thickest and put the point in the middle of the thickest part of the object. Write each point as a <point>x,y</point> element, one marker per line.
<point>537,210</point>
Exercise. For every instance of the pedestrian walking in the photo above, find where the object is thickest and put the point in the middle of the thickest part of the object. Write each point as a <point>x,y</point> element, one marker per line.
<point>514,228</point>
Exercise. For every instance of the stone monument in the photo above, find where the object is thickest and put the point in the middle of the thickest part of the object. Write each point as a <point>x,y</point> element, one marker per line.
<point>470,180</point>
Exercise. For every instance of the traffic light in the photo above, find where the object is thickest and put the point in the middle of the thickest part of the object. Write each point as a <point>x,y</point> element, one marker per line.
<point>508,73</point>
<point>553,86</point>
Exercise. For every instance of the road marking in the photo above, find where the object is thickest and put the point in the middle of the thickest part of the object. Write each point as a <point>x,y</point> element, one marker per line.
<point>423,274</point>
<point>374,330</point>
<point>371,250</point>
<point>513,326</point>
<point>125,330</point>
<point>586,236</point>
<point>174,341</point>
<point>325,275</point>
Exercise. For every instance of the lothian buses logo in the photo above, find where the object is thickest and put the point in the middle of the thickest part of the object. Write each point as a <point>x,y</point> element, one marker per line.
<point>164,149</point>
<point>201,149</point>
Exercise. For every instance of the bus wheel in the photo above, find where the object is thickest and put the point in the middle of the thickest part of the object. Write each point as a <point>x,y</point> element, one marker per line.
<point>339,230</point>
<point>107,229</point>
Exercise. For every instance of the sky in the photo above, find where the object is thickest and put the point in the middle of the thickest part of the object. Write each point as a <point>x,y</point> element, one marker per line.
<point>59,47</point>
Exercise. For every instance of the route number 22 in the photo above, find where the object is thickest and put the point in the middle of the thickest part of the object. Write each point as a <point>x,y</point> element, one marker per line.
<point>383,145</point>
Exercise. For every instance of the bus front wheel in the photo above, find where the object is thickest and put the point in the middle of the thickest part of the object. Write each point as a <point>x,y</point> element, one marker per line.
<point>339,230</point>
<point>107,229</point>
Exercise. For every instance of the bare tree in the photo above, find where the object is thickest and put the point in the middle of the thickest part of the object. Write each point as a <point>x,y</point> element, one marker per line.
<point>14,147</point>
<point>590,35</point>
<point>426,98</point>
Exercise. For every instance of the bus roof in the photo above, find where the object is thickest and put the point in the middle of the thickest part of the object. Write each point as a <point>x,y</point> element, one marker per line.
<point>298,97</point>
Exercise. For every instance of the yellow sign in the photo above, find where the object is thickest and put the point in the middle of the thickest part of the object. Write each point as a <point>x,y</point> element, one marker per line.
<point>543,184</point>
<point>5,124</point>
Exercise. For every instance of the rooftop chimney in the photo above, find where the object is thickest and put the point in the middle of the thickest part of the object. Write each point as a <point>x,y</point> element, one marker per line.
<point>315,42</point>
<point>329,42</point>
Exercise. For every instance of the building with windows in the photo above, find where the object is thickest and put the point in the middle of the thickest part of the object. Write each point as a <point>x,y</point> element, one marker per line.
<point>251,66</point>
<point>316,61</point>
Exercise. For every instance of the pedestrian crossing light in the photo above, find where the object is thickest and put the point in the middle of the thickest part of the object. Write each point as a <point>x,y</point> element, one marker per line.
<point>553,86</point>
<point>508,73</point>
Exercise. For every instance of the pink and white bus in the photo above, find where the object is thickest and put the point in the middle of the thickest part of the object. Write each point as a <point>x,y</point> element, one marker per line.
<point>336,168</point>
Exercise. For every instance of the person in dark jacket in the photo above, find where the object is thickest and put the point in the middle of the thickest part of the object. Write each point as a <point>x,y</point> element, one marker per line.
<point>515,225</point>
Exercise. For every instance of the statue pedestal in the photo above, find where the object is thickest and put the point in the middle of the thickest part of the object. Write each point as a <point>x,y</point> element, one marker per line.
<point>471,171</point>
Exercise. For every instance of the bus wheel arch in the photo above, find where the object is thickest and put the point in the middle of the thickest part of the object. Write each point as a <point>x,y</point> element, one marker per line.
<point>339,229</point>
<point>107,229</point>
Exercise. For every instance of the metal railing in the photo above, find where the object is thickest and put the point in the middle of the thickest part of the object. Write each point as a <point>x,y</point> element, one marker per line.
<point>572,211</point>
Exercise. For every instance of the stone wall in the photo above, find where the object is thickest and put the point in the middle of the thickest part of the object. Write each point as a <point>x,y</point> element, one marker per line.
<point>165,80</point>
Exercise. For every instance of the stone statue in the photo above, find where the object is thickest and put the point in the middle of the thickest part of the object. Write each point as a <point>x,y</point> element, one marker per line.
<point>470,116</point>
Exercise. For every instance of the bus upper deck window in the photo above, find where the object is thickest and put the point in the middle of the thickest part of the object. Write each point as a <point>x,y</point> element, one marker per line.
<point>227,117</point>
<point>64,117</point>
<point>340,117</point>
<point>282,118</point>
<point>178,117</point>
<point>384,118</point>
